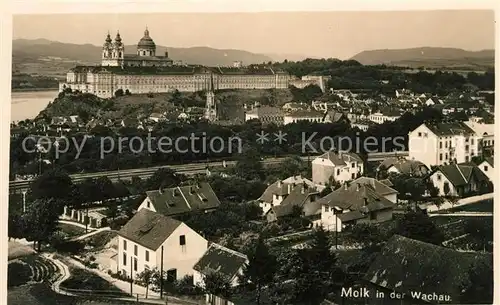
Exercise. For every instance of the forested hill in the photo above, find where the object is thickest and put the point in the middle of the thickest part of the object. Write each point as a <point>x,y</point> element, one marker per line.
<point>429,57</point>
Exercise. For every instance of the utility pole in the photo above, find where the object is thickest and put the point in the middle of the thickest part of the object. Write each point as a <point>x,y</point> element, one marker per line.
<point>24,201</point>
<point>336,230</point>
<point>161,274</point>
<point>86,219</point>
<point>131,275</point>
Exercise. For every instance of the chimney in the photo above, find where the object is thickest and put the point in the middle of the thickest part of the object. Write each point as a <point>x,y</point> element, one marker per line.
<point>279,183</point>
<point>289,188</point>
<point>373,182</point>
<point>357,187</point>
<point>160,190</point>
<point>191,190</point>
<point>345,185</point>
<point>303,189</point>
<point>174,192</point>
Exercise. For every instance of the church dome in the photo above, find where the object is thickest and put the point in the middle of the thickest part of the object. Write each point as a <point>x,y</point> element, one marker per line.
<point>146,42</point>
<point>107,43</point>
<point>118,40</point>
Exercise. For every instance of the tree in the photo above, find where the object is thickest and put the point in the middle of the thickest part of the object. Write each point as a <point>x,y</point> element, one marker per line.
<point>145,278</point>
<point>260,269</point>
<point>16,225</point>
<point>52,184</point>
<point>249,165</point>
<point>216,284</point>
<point>319,273</point>
<point>164,178</point>
<point>367,234</point>
<point>119,92</point>
<point>41,220</point>
<point>419,226</point>
<point>478,287</point>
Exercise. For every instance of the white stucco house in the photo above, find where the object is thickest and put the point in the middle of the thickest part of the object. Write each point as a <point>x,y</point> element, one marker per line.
<point>458,179</point>
<point>339,167</point>
<point>443,143</point>
<point>488,168</point>
<point>357,203</point>
<point>148,236</point>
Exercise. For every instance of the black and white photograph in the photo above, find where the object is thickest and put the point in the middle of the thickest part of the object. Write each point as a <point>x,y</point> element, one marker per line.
<point>237,158</point>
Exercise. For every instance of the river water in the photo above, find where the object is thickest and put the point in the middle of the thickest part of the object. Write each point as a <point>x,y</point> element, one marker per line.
<point>27,105</point>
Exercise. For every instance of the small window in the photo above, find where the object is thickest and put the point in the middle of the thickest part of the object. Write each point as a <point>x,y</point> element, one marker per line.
<point>440,144</point>
<point>135,250</point>
<point>419,134</point>
<point>438,177</point>
<point>182,240</point>
<point>466,147</point>
<point>353,165</point>
<point>135,264</point>
<point>472,141</point>
<point>124,259</point>
<point>338,172</point>
<point>148,204</point>
<point>124,245</point>
<point>440,157</point>
<point>147,256</point>
<point>486,168</point>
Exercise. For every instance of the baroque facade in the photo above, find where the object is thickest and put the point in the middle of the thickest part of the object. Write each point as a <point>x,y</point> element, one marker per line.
<point>146,72</point>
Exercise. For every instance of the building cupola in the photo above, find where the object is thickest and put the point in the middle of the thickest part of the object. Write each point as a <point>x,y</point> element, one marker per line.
<point>146,46</point>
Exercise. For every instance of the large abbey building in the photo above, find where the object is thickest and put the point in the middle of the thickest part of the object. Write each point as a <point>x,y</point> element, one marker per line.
<point>147,72</point>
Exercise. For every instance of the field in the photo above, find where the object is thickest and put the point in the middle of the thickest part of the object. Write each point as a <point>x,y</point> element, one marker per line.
<point>230,102</point>
<point>31,268</point>
<point>458,235</point>
<point>41,294</point>
<point>481,206</point>
<point>87,281</point>
<point>71,230</point>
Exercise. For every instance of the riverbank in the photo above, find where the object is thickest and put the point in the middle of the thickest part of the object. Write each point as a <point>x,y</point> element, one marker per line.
<point>27,90</point>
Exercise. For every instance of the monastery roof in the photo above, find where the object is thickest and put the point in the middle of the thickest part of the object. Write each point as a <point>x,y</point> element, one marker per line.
<point>133,57</point>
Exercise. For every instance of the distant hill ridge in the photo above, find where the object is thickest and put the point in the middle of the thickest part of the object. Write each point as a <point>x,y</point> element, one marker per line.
<point>426,56</point>
<point>22,48</point>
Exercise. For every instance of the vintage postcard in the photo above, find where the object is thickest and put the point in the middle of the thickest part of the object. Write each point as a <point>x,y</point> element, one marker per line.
<point>265,157</point>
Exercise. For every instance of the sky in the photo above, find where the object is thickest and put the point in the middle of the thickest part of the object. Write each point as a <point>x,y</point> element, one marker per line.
<point>315,34</point>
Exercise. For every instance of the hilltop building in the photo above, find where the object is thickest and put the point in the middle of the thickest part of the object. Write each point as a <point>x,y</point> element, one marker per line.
<point>146,72</point>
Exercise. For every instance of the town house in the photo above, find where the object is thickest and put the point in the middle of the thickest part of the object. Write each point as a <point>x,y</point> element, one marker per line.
<point>443,143</point>
<point>181,200</point>
<point>487,167</point>
<point>277,192</point>
<point>337,167</point>
<point>303,199</point>
<point>459,179</point>
<point>152,240</point>
<point>217,258</point>
<point>401,165</point>
<point>357,203</point>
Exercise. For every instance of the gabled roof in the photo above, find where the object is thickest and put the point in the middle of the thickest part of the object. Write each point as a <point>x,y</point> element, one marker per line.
<point>449,128</point>
<point>297,197</point>
<point>405,166</point>
<point>490,161</point>
<point>221,260</point>
<point>350,216</point>
<point>362,197</point>
<point>406,265</point>
<point>266,111</point>
<point>335,116</point>
<point>286,186</point>
<point>461,174</point>
<point>341,159</point>
<point>184,199</point>
<point>149,229</point>
<point>305,114</point>
<point>381,188</point>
